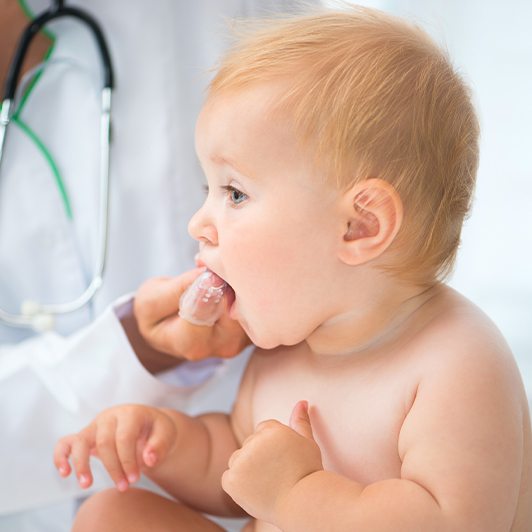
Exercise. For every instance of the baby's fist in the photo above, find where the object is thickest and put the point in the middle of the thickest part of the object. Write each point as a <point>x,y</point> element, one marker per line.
<point>271,462</point>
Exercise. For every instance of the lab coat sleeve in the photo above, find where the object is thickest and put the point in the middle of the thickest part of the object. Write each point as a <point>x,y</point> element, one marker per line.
<point>51,386</point>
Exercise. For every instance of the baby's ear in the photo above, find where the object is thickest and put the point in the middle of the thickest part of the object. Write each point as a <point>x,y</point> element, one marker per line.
<point>373,213</point>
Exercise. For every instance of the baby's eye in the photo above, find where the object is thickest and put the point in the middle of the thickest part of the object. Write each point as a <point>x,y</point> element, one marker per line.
<point>235,196</point>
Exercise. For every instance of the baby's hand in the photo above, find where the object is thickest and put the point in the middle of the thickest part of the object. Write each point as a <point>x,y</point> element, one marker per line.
<point>125,438</point>
<point>271,462</point>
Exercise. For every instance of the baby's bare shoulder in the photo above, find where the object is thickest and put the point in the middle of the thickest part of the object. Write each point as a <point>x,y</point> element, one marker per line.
<point>462,362</point>
<point>457,332</point>
<point>466,373</point>
<point>464,432</point>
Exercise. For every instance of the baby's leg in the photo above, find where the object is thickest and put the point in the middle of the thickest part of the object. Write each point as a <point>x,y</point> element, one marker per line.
<point>137,511</point>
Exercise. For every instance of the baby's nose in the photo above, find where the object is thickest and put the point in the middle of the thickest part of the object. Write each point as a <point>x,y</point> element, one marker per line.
<point>202,228</point>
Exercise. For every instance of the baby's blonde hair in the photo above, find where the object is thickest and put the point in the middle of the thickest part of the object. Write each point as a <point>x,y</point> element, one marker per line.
<point>374,97</point>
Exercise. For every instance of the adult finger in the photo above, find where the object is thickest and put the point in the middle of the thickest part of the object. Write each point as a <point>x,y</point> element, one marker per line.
<point>225,339</point>
<point>158,298</point>
<point>205,300</point>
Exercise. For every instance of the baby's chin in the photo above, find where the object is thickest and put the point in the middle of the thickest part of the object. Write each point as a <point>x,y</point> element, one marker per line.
<point>265,339</point>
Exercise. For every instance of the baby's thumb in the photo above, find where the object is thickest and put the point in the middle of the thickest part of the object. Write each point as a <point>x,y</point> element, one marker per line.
<point>300,420</point>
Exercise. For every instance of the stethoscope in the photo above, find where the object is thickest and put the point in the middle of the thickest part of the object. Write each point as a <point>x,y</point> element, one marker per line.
<point>40,316</point>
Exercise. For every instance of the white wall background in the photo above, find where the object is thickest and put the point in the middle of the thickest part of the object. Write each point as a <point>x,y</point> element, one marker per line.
<point>490,43</point>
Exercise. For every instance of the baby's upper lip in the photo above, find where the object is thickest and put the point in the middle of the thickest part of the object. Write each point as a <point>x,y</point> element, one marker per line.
<point>200,263</point>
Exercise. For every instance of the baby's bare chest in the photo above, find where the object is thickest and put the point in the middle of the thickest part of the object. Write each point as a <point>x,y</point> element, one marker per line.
<point>356,413</point>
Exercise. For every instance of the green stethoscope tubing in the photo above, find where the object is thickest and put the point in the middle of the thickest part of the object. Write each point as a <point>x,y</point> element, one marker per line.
<point>40,316</point>
<point>39,144</point>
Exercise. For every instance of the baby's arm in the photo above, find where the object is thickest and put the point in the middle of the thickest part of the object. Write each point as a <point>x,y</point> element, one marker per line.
<point>193,471</point>
<point>460,447</point>
<point>185,456</point>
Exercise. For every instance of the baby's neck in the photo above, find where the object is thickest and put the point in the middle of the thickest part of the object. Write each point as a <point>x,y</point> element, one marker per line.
<point>377,316</point>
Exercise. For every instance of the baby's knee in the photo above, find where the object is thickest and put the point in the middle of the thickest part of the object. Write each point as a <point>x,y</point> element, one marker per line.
<point>106,511</point>
<point>138,510</point>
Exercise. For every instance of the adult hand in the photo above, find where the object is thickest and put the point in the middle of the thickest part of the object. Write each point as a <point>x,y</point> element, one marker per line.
<point>12,23</point>
<point>270,463</point>
<point>156,309</point>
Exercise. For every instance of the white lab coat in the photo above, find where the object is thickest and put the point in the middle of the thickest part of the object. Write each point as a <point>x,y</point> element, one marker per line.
<point>54,383</point>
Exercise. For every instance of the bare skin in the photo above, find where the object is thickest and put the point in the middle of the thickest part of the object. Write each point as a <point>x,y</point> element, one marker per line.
<point>384,414</point>
<point>378,418</point>
<point>397,408</point>
<point>109,510</point>
<point>12,23</point>
<point>160,335</point>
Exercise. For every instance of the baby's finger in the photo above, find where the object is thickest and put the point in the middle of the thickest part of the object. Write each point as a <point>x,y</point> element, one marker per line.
<point>233,458</point>
<point>127,438</point>
<point>107,452</point>
<point>62,451</point>
<point>80,452</point>
<point>159,442</point>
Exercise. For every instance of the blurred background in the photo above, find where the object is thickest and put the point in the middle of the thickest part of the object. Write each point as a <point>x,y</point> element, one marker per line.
<point>490,44</point>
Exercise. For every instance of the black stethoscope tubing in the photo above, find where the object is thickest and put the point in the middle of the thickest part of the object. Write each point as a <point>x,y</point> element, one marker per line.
<point>58,10</point>
<point>33,314</point>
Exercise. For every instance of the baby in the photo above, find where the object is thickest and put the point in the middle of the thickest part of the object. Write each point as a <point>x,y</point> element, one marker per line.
<point>340,150</point>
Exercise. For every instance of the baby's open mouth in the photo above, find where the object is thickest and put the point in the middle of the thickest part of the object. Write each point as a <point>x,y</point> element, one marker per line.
<point>224,287</point>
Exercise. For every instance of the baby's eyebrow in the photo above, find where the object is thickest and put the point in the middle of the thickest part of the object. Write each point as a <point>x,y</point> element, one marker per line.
<point>226,161</point>
<point>221,160</point>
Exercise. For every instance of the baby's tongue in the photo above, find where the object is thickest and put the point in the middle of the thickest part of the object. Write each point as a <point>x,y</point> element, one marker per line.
<point>202,301</point>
